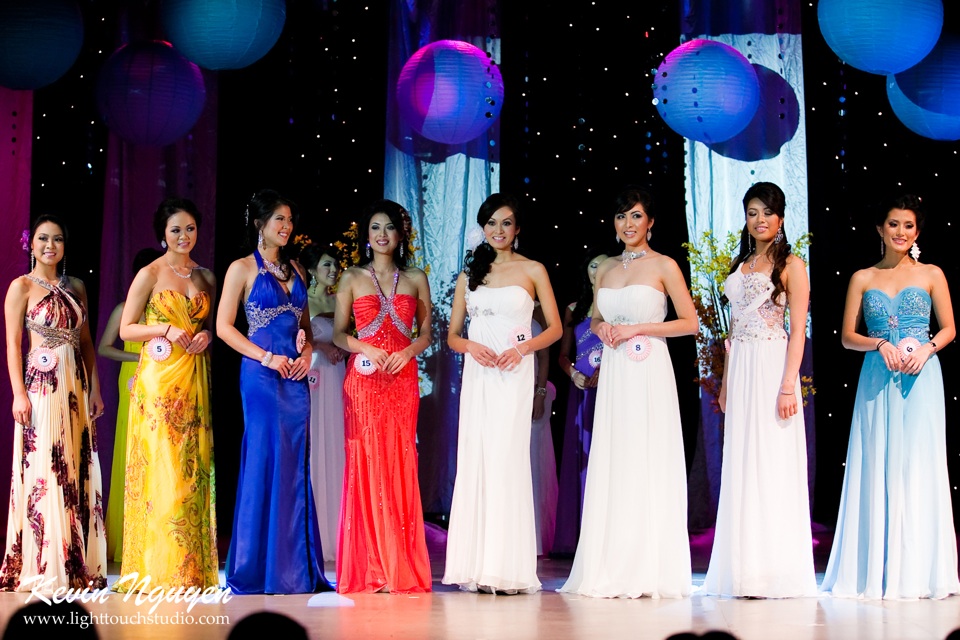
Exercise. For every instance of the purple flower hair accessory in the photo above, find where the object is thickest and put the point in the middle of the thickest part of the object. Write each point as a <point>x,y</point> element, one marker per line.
<point>25,240</point>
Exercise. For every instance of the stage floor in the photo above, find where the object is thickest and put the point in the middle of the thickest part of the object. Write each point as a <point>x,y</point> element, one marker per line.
<point>451,614</point>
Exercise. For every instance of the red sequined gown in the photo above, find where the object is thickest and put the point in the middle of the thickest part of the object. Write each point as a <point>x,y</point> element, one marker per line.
<point>382,543</point>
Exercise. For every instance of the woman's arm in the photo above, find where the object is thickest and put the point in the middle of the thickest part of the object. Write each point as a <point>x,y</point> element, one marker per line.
<point>686,322</point>
<point>484,355</point>
<point>511,357</point>
<point>798,301</point>
<point>14,310</point>
<point>137,298</point>
<point>852,310</point>
<point>943,308</point>
<point>396,361</point>
<point>110,334</point>
<point>204,338</point>
<point>89,355</point>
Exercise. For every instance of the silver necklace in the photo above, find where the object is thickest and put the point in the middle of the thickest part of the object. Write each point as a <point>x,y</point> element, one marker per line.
<point>177,273</point>
<point>629,256</point>
<point>278,270</point>
<point>753,263</point>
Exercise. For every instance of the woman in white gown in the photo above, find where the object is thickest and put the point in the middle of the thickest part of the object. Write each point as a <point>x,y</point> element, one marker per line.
<point>491,542</point>
<point>633,537</point>
<point>763,546</point>
<point>327,454</point>
<point>895,536</point>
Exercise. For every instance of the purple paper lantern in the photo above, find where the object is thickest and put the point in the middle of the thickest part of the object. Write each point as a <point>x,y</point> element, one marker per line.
<point>223,34</point>
<point>881,36</point>
<point>149,94</point>
<point>39,41</point>
<point>706,91</point>
<point>450,91</point>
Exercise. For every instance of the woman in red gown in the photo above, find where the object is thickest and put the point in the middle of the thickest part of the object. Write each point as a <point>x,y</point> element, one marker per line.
<point>382,546</point>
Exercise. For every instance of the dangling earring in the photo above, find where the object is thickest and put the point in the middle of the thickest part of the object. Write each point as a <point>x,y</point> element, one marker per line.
<point>915,252</point>
<point>63,267</point>
<point>163,244</point>
<point>33,262</point>
<point>617,239</point>
<point>313,282</point>
<point>750,243</point>
<point>883,248</point>
<point>402,251</point>
<point>260,240</point>
<point>516,243</point>
<point>779,237</point>
<point>368,249</point>
<point>649,235</point>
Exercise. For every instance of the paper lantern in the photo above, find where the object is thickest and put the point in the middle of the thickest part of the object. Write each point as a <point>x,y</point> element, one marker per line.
<point>39,41</point>
<point>450,91</point>
<point>149,94</point>
<point>934,84</point>
<point>223,34</point>
<point>706,91</point>
<point>881,36</point>
<point>928,124</point>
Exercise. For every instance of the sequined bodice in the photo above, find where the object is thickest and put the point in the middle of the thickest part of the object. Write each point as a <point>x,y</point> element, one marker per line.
<point>386,306</point>
<point>587,341</point>
<point>753,315</point>
<point>58,316</point>
<point>906,314</point>
<point>268,301</point>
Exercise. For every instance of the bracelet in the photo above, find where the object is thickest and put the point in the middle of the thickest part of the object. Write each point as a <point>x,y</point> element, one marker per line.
<point>541,391</point>
<point>788,393</point>
<point>167,331</point>
<point>934,345</point>
<point>518,351</point>
<point>880,344</point>
<point>265,360</point>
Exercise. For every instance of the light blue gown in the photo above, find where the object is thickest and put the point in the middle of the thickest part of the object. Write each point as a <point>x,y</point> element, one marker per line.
<point>895,537</point>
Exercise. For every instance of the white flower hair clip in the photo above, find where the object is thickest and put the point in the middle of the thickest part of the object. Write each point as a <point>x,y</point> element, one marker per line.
<point>474,237</point>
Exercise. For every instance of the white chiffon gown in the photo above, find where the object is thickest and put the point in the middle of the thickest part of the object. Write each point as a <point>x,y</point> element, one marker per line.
<point>633,536</point>
<point>763,545</point>
<point>491,541</point>
<point>327,453</point>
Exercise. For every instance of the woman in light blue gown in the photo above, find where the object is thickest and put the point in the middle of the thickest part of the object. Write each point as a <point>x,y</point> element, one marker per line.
<point>895,537</point>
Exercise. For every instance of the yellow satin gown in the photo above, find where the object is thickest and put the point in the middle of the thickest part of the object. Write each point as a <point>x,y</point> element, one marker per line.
<point>169,529</point>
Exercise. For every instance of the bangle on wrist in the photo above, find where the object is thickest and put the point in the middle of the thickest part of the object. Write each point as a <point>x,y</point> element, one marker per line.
<point>787,393</point>
<point>540,391</point>
<point>265,360</point>
<point>166,331</point>
<point>518,351</point>
<point>881,343</point>
<point>934,345</point>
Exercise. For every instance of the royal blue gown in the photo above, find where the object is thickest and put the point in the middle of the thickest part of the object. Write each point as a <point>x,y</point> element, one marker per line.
<point>275,546</point>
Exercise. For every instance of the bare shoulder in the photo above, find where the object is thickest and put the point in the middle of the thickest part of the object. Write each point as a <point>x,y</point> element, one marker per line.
<point>414,274</point>
<point>795,262</point>
<point>209,278</point>
<point>533,268</point>
<point>77,285</point>
<point>933,272</point>
<point>19,287</point>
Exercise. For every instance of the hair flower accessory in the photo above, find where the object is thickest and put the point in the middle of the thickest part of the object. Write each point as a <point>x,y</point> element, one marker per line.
<point>25,240</point>
<point>474,237</point>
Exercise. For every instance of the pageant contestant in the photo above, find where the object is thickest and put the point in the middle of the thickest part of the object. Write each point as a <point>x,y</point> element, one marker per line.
<point>55,536</point>
<point>275,546</point>
<point>326,393</point>
<point>169,506</point>
<point>491,543</point>
<point>895,534</point>
<point>580,352</point>
<point>129,358</point>
<point>382,540</point>
<point>633,538</point>
<point>763,546</point>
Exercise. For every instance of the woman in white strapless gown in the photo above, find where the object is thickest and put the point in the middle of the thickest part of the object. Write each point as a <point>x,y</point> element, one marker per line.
<point>327,453</point>
<point>633,539</point>
<point>491,542</point>
<point>763,545</point>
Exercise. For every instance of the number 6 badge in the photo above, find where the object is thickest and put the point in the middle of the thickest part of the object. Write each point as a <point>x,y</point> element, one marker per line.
<point>638,348</point>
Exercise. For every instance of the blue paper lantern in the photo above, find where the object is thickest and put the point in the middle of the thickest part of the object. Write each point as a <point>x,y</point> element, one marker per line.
<point>39,41</point>
<point>223,34</point>
<point>934,84</point>
<point>706,91</point>
<point>450,91</point>
<point>928,124</point>
<point>881,36</point>
<point>149,94</point>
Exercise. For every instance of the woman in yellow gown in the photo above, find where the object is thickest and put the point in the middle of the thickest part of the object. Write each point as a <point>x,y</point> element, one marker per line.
<point>169,528</point>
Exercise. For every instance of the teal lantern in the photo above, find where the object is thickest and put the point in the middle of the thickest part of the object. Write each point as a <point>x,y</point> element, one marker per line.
<point>39,41</point>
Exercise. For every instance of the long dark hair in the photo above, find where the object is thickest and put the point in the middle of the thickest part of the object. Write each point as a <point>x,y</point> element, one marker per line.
<point>477,263</point>
<point>401,221</point>
<point>772,197</point>
<point>169,208</point>
<point>908,202</point>
<point>585,296</point>
<point>261,207</point>
<point>46,217</point>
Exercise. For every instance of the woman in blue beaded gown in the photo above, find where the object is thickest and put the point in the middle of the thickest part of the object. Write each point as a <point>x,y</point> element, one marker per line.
<point>580,353</point>
<point>275,546</point>
<point>763,546</point>
<point>895,536</point>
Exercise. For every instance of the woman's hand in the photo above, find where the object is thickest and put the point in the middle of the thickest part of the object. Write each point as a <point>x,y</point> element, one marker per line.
<point>484,355</point>
<point>786,404</point>
<point>396,361</point>
<point>509,359</point>
<point>593,380</point>
<point>176,335</point>
<point>95,404</point>
<point>330,351</point>
<point>297,368</point>
<point>722,398</point>
<point>605,333</point>
<point>376,355</point>
<point>279,364</point>
<point>538,406</point>
<point>579,380</point>
<point>200,342</point>
<point>891,356</point>
<point>22,409</point>
<point>913,363</point>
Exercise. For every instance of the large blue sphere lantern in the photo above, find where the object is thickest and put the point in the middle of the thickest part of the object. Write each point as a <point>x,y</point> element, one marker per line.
<point>929,124</point>
<point>706,91</point>
<point>149,94</point>
<point>223,34</point>
<point>881,36</point>
<point>39,41</point>
<point>450,92</point>
<point>934,84</point>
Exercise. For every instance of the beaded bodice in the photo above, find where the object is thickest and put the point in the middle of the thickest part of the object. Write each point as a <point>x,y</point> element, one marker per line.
<point>387,308</point>
<point>57,318</point>
<point>754,315</point>
<point>905,315</point>
<point>268,300</point>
